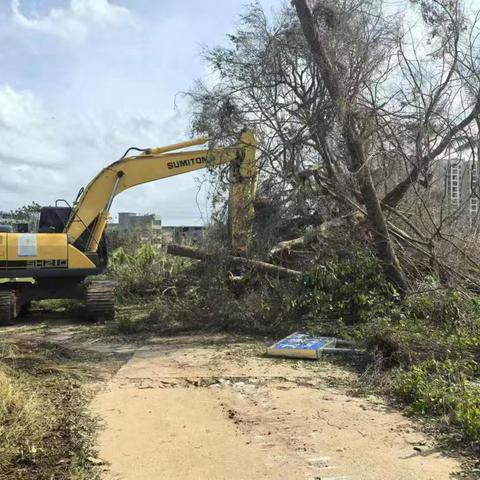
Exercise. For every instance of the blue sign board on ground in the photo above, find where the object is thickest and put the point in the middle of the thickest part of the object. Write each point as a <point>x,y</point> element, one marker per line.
<point>301,345</point>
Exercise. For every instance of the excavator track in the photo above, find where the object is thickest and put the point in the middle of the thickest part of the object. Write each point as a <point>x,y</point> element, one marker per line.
<point>8,307</point>
<point>99,301</point>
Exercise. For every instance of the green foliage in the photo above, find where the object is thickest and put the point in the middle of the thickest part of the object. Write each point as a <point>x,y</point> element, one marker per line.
<point>219,302</point>
<point>434,333</point>
<point>349,289</point>
<point>445,389</point>
<point>181,296</point>
<point>431,322</point>
<point>146,272</point>
<point>452,309</point>
<point>26,212</point>
<point>128,240</point>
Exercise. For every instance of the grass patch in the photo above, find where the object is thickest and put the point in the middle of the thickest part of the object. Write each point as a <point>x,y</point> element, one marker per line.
<point>73,306</point>
<point>45,431</point>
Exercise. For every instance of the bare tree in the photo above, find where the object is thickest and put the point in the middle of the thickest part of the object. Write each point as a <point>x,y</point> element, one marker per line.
<point>352,124</point>
<point>354,113</point>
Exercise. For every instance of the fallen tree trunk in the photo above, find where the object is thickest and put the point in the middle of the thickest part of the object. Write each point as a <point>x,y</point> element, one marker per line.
<point>263,267</point>
<point>284,248</point>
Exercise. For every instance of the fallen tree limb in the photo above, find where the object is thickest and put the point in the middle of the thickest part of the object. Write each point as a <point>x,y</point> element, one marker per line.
<point>286,246</point>
<point>322,230</point>
<point>263,267</point>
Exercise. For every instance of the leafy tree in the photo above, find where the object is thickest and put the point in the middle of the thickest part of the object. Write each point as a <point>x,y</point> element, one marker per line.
<point>26,212</point>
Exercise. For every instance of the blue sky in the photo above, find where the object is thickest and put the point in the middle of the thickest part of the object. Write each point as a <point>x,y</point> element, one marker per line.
<point>82,80</point>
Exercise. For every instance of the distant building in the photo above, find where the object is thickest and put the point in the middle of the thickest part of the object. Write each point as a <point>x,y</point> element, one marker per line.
<point>183,234</point>
<point>151,229</point>
<point>142,223</point>
<point>450,183</point>
<point>461,186</point>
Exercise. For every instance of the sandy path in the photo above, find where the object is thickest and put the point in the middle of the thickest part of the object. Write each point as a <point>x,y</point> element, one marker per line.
<point>201,408</point>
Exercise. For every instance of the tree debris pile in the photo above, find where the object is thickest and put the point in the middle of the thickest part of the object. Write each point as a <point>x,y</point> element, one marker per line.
<point>367,210</point>
<point>361,134</point>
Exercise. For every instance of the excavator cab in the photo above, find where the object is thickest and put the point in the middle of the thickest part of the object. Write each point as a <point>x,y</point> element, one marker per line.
<point>53,219</point>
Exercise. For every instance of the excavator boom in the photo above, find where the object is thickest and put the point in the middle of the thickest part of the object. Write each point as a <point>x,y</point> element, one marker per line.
<point>91,211</point>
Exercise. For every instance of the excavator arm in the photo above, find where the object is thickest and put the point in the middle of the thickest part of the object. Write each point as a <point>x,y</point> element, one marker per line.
<point>90,214</point>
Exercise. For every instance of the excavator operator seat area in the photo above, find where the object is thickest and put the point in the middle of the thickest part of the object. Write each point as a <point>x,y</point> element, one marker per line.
<point>53,219</point>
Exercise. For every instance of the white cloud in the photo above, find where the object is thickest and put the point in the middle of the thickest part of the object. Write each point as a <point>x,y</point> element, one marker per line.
<point>31,154</point>
<point>75,22</point>
<point>16,107</point>
<point>46,154</point>
<point>24,126</point>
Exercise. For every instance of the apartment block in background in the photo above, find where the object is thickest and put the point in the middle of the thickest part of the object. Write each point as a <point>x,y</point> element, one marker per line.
<point>461,186</point>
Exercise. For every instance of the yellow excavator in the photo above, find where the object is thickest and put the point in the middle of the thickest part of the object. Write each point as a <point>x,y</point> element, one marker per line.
<point>70,244</point>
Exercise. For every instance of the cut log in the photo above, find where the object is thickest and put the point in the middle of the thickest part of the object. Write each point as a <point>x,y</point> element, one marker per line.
<point>189,252</point>
<point>263,267</point>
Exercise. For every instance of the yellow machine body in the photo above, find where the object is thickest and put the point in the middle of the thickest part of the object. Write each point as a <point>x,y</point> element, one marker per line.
<point>243,186</point>
<point>31,254</point>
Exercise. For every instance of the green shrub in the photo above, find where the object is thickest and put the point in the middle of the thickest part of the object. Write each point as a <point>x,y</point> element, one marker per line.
<point>347,290</point>
<point>446,389</point>
<point>187,295</point>
<point>145,273</point>
<point>451,310</point>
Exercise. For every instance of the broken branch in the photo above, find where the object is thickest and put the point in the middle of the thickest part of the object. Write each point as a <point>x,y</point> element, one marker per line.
<point>263,267</point>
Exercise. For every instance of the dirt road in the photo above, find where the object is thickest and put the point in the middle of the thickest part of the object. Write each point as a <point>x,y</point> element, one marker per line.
<point>213,408</point>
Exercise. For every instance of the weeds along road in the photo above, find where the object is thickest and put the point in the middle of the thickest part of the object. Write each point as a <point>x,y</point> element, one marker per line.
<point>213,407</point>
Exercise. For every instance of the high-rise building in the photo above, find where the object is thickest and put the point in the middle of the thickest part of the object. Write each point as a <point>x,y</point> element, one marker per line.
<point>461,187</point>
